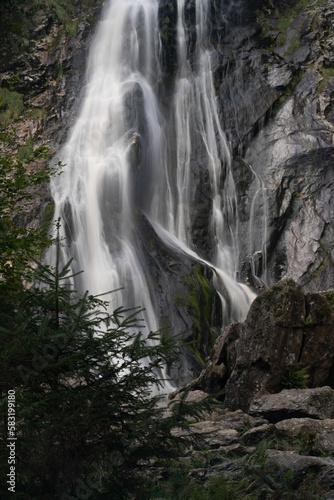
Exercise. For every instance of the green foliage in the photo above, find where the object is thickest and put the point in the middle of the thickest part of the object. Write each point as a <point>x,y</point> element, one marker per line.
<point>308,320</point>
<point>18,184</point>
<point>181,483</point>
<point>83,374</point>
<point>83,378</point>
<point>64,11</point>
<point>11,106</point>
<point>254,477</point>
<point>296,377</point>
<point>198,302</point>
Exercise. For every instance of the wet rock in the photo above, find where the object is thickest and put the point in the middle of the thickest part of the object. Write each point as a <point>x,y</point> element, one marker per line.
<point>276,108</point>
<point>185,298</point>
<point>220,363</point>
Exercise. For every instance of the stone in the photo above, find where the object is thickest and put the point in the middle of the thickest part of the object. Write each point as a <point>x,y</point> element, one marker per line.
<point>257,434</point>
<point>319,434</point>
<point>295,331</point>
<point>316,403</point>
<point>322,469</point>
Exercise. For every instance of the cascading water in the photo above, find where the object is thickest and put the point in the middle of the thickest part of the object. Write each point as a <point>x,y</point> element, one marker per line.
<point>197,121</point>
<point>258,237</point>
<point>97,194</point>
<point>116,161</point>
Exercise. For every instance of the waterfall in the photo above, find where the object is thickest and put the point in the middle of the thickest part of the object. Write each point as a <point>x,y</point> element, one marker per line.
<point>196,122</point>
<point>117,160</point>
<point>98,192</point>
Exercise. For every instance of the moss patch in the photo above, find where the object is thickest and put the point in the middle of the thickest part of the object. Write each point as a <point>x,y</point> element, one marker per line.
<point>287,92</point>
<point>11,106</point>
<point>327,74</point>
<point>198,302</point>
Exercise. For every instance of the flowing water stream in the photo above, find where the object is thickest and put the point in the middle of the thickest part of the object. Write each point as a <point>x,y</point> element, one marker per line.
<point>118,160</point>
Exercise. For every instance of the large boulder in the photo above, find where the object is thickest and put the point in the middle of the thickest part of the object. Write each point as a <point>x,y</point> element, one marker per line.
<point>287,334</point>
<point>318,434</point>
<point>316,403</point>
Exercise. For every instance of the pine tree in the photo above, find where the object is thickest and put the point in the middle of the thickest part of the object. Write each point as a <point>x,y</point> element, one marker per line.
<point>87,423</point>
<point>83,378</point>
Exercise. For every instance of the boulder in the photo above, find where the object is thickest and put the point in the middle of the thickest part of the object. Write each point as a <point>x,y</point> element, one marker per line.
<point>298,466</point>
<point>318,435</point>
<point>284,330</point>
<point>257,434</point>
<point>316,403</point>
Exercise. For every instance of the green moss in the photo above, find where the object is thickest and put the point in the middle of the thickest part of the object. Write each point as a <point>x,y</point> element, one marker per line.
<point>295,44</point>
<point>26,151</point>
<point>330,298</point>
<point>288,91</point>
<point>11,106</point>
<point>60,72</point>
<point>72,27</point>
<point>286,17</point>
<point>36,113</point>
<point>320,269</point>
<point>180,301</point>
<point>262,19</point>
<point>64,11</point>
<point>308,321</point>
<point>327,74</point>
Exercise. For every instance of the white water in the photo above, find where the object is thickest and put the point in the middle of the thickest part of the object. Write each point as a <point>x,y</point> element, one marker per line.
<point>258,239</point>
<point>196,109</point>
<point>116,161</point>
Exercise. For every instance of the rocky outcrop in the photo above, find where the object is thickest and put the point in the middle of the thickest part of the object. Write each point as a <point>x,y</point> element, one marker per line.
<point>43,57</point>
<point>189,307</point>
<point>284,457</point>
<point>44,51</point>
<point>317,403</point>
<point>286,341</point>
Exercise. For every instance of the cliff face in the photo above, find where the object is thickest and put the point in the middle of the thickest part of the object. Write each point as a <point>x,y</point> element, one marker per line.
<point>274,75</point>
<point>42,63</point>
<point>275,83</point>
<point>274,78</point>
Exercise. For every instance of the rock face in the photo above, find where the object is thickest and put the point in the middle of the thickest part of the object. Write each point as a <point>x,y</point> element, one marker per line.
<point>189,306</point>
<point>287,334</point>
<point>43,59</point>
<point>275,80</point>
